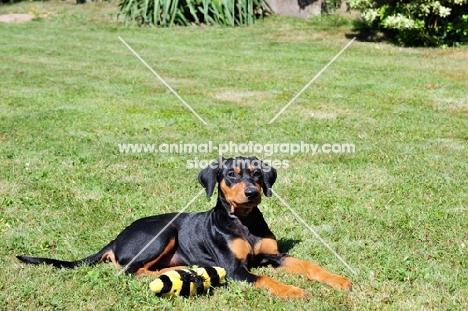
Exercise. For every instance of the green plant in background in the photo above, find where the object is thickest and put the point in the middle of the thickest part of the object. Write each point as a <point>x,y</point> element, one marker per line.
<point>166,13</point>
<point>417,22</point>
<point>34,11</point>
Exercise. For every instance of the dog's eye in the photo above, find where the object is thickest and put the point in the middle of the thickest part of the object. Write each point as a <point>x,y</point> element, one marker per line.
<point>257,174</point>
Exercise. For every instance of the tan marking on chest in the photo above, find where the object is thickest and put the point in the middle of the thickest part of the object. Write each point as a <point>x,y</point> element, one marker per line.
<point>241,248</point>
<point>266,246</point>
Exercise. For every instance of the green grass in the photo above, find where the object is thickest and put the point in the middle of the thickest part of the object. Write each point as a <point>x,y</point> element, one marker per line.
<point>70,92</point>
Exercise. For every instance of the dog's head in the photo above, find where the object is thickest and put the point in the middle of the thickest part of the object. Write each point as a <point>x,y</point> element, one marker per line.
<point>240,181</point>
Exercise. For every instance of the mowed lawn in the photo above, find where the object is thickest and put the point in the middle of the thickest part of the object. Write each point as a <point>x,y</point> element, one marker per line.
<point>396,209</point>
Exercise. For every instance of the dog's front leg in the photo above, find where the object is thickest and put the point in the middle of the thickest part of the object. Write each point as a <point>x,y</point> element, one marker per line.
<point>260,281</point>
<point>279,289</point>
<point>314,272</point>
<point>239,272</point>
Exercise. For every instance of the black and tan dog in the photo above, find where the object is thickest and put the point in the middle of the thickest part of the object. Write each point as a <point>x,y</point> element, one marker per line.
<point>233,235</point>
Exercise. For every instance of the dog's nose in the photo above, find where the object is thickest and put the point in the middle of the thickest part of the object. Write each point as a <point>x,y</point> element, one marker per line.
<point>251,193</point>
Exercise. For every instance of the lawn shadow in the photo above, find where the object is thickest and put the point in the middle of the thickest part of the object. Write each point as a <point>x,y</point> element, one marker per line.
<point>285,245</point>
<point>366,33</point>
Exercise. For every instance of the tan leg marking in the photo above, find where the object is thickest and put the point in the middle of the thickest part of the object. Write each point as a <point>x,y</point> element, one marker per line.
<point>314,272</point>
<point>155,274</point>
<point>279,289</point>
<point>145,268</point>
<point>110,256</point>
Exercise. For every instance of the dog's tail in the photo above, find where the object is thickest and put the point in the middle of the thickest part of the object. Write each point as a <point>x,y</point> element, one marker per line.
<point>103,254</point>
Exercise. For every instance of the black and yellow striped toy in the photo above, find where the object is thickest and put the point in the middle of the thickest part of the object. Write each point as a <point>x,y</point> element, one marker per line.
<point>188,282</point>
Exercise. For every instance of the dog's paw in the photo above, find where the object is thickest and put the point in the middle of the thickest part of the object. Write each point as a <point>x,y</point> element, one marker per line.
<point>290,291</point>
<point>340,282</point>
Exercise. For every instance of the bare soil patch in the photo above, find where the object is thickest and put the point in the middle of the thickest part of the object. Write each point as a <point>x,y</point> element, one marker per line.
<point>16,18</point>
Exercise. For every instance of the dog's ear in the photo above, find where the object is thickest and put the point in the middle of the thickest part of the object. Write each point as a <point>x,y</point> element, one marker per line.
<point>208,176</point>
<point>269,178</point>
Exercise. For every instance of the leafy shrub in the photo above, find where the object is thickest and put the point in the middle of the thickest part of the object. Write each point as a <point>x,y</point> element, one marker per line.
<point>9,1</point>
<point>167,13</point>
<point>417,22</point>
